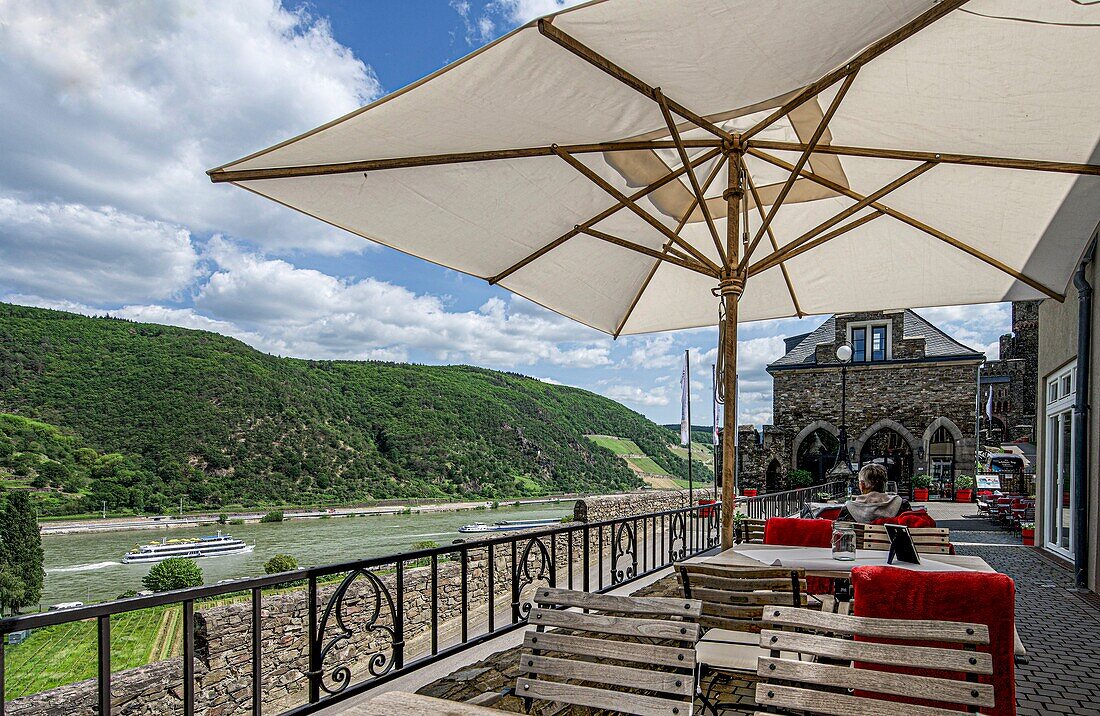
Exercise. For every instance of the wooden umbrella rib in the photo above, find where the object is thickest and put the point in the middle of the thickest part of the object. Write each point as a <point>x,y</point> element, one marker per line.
<point>771,261</point>
<point>633,206</point>
<point>597,60</point>
<point>659,255</point>
<point>802,159</point>
<point>850,211</point>
<point>775,244</point>
<point>905,218</point>
<point>869,53</point>
<point>906,155</point>
<point>546,248</point>
<point>429,160</point>
<point>657,264</point>
<point>693,180</point>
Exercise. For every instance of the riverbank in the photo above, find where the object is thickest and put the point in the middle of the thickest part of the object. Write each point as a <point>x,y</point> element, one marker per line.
<point>125,524</point>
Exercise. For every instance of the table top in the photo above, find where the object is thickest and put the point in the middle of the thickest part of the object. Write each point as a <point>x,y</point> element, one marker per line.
<point>818,561</point>
<point>396,703</point>
<point>755,554</point>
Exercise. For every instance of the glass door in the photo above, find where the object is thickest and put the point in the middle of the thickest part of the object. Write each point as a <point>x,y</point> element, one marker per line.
<point>1058,495</point>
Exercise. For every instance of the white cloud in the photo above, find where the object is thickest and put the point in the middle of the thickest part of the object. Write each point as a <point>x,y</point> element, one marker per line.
<point>521,11</point>
<point>634,395</point>
<point>127,105</point>
<point>81,253</point>
<point>312,314</point>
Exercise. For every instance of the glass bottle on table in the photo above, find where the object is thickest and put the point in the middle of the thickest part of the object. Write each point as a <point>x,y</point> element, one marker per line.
<point>844,542</point>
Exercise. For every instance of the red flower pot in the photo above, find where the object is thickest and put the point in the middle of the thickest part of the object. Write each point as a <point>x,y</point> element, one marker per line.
<point>1028,536</point>
<point>963,495</point>
<point>920,494</point>
<point>748,493</point>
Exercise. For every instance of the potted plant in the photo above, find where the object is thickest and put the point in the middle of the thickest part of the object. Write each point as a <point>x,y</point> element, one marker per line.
<point>921,483</point>
<point>964,488</point>
<point>748,492</point>
<point>1027,532</point>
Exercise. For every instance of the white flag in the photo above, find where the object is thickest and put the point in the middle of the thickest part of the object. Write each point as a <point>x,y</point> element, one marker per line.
<point>685,386</point>
<point>714,430</point>
<point>989,405</point>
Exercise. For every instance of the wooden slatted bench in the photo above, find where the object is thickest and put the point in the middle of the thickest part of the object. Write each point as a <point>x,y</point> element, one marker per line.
<point>626,654</point>
<point>846,656</point>
<point>927,540</point>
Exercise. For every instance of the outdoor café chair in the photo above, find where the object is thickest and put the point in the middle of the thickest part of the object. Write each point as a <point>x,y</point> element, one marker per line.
<point>636,656</point>
<point>733,601</point>
<point>749,530</point>
<point>984,598</point>
<point>927,540</point>
<point>872,666</point>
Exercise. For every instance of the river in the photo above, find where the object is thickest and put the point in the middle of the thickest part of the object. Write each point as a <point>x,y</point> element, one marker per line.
<point>87,567</point>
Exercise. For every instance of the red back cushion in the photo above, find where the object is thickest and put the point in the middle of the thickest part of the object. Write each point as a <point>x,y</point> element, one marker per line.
<point>976,597</point>
<point>912,518</point>
<point>798,532</point>
<point>802,533</point>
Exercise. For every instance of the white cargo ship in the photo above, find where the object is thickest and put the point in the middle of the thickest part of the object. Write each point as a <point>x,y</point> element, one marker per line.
<point>214,546</point>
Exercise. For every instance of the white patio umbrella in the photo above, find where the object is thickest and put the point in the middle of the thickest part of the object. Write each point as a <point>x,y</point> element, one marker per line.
<point>638,166</point>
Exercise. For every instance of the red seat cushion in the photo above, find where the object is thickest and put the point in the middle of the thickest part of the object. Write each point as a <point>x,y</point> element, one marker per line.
<point>976,597</point>
<point>802,533</point>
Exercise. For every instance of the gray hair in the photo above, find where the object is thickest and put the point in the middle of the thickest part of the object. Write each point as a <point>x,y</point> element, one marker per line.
<point>873,476</point>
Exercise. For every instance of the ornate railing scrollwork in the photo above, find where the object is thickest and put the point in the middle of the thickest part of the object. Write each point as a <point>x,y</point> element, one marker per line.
<point>677,533</point>
<point>526,570</point>
<point>380,602</point>
<point>620,550</point>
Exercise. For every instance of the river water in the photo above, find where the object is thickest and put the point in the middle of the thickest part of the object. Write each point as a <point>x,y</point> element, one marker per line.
<point>87,567</point>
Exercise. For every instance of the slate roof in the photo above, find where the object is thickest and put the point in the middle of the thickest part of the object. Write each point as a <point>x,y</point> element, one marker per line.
<point>937,344</point>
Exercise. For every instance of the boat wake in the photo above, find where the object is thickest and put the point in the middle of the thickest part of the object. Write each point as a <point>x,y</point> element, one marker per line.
<point>83,567</point>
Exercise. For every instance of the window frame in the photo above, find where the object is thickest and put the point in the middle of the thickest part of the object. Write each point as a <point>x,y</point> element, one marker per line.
<point>868,328</point>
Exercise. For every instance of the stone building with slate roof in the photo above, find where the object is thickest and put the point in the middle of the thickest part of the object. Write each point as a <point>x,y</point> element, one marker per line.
<point>911,399</point>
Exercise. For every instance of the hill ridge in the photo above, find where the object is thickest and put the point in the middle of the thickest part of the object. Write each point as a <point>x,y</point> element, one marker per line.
<point>205,415</point>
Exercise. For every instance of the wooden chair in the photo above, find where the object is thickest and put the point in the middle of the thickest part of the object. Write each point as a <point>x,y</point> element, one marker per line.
<point>844,665</point>
<point>733,600</point>
<point>596,657</point>
<point>927,540</point>
<point>749,530</point>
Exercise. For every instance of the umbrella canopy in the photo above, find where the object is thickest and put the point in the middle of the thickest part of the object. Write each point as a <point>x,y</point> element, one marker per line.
<point>635,165</point>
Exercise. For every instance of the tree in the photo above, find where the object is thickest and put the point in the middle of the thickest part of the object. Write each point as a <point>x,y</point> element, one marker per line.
<point>280,563</point>
<point>20,553</point>
<point>173,573</point>
<point>53,472</point>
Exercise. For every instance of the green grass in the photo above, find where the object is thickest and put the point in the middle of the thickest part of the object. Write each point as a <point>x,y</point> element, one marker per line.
<point>619,446</point>
<point>697,484</point>
<point>646,464</point>
<point>66,653</point>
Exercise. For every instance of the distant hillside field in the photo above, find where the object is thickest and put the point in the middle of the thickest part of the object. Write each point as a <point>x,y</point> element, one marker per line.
<point>164,412</point>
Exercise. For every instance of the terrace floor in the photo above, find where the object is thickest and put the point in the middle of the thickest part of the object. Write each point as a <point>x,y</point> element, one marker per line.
<point>1060,628</point>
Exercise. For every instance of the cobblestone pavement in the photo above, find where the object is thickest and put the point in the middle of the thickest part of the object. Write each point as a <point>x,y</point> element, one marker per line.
<point>1059,627</point>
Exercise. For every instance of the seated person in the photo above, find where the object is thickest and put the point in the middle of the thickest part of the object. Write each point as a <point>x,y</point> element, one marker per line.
<point>874,503</point>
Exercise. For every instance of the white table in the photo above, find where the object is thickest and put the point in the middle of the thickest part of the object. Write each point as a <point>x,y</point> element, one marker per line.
<point>818,562</point>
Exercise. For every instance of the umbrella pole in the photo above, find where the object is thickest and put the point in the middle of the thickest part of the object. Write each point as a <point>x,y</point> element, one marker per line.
<point>731,286</point>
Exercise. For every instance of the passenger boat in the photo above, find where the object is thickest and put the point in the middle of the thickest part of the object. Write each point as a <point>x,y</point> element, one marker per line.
<point>509,525</point>
<point>213,546</point>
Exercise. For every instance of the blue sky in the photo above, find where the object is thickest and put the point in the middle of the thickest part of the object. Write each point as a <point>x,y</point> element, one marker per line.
<point>113,112</point>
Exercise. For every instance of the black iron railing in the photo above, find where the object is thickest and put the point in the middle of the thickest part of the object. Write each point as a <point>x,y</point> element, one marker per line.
<point>360,617</point>
<point>790,502</point>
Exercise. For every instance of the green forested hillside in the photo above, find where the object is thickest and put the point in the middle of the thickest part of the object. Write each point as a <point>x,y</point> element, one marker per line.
<point>198,414</point>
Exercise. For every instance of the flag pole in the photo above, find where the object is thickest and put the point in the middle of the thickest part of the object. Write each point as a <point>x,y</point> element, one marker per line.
<point>714,426</point>
<point>687,399</point>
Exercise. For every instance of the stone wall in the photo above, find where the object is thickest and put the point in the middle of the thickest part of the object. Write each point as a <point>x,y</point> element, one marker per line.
<point>613,507</point>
